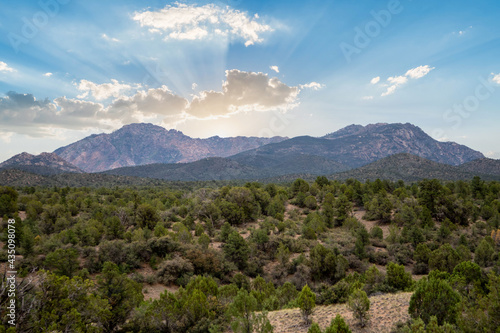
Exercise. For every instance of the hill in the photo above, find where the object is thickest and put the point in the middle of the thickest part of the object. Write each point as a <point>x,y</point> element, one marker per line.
<point>217,168</point>
<point>16,177</point>
<point>482,165</point>
<point>43,164</point>
<point>212,168</point>
<point>409,167</point>
<point>140,144</point>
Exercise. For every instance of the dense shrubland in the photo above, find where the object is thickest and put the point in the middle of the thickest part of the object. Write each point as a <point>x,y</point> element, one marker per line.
<point>230,254</point>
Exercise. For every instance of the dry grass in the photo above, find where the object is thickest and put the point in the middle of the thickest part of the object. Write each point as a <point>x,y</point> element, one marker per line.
<point>385,311</point>
<point>152,292</point>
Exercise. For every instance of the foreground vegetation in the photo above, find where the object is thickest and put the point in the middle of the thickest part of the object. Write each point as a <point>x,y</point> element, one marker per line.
<point>227,256</point>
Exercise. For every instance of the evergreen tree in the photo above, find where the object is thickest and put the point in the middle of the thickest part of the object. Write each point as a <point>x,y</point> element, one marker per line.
<point>122,293</point>
<point>307,302</point>
<point>236,249</point>
<point>434,297</point>
<point>359,304</point>
<point>338,325</point>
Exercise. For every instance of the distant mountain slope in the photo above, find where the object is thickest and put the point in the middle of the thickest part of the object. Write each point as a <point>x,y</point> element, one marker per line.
<point>211,168</point>
<point>482,165</point>
<point>356,145</point>
<point>409,167</point>
<point>15,177</point>
<point>217,168</point>
<point>289,162</point>
<point>43,164</point>
<point>140,144</point>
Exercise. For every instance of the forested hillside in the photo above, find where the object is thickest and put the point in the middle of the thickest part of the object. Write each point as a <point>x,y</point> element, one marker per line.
<point>318,256</point>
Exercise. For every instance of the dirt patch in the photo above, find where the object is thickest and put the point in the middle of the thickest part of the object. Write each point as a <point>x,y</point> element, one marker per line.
<point>215,245</point>
<point>154,291</point>
<point>370,224</point>
<point>385,311</point>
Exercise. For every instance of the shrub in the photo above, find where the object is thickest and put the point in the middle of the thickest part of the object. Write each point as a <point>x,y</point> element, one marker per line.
<point>484,253</point>
<point>398,278</point>
<point>171,270</point>
<point>445,258</point>
<point>314,328</point>
<point>63,261</point>
<point>377,233</point>
<point>338,325</point>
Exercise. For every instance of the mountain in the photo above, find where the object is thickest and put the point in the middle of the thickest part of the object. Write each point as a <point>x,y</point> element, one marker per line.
<point>357,145</point>
<point>482,165</point>
<point>43,164</point>
<point>140,144</point>
<point>410,168</point>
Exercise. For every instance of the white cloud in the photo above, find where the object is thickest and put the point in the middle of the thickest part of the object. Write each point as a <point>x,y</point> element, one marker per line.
<point>367,98</point>
<point>244,91</point>
<point>419,72</point>
<point>111,39</point>
<point>397,81</point>
<point>103,91</point>
<point>493,154</point>
<point>191,22</point>
<point>241,92</point>
<point>375,80</point>
<point>47,74</point>
<point>275,68</point>
<point>496,78</point>
<point>312,85</point>
<point>389,91</point>
<point>6,136</point>
<point>194,86</point>
<point>5,68</point>
<point>23,113</point>
<point>153,102</point>
<point>461,33</point>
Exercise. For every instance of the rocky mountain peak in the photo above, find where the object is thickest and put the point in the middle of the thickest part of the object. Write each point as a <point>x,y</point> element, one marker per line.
<point>49,162</point>
<point>140,144</point>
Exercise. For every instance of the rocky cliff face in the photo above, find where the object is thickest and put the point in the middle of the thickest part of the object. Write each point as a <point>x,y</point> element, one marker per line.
<point>45,163</point>
<point>140,144</point>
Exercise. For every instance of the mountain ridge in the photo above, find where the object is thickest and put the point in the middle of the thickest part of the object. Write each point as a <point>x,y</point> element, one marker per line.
<point>348,148</point>
<point>408,167</point>
<point>140,144</point>
<point>43,164</point>
<point>358,145</point>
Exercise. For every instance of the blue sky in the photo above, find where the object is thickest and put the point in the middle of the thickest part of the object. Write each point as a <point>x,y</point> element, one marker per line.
<point>255,68</point>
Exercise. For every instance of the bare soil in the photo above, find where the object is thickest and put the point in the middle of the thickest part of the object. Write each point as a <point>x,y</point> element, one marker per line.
<point>385,311</point>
